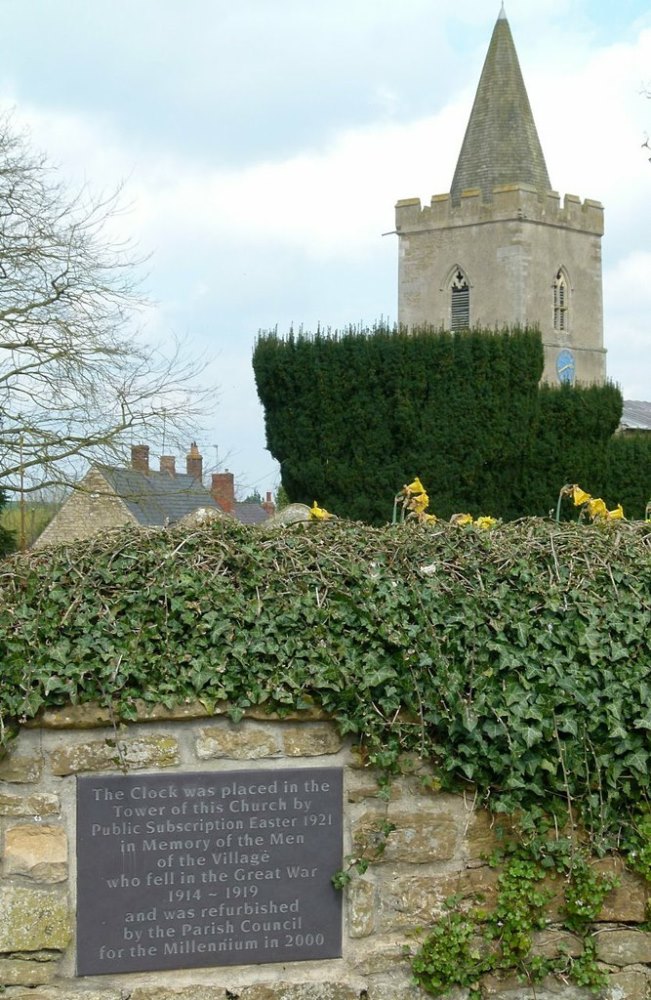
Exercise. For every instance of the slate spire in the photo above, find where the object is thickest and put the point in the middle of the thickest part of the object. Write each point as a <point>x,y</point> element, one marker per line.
<point>501,144</point>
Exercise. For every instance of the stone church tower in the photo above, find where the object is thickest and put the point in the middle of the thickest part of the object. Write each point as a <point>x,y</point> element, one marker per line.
<point>501,249</point>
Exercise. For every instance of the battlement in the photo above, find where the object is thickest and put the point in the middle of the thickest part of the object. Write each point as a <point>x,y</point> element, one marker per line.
<point>511,202</point>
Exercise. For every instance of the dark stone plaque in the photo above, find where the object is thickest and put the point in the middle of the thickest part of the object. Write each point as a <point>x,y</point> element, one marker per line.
<point>199,869</point>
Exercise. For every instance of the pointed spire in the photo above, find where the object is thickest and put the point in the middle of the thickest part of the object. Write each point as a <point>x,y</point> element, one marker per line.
<point>501,144</point>
<point>502,13</point>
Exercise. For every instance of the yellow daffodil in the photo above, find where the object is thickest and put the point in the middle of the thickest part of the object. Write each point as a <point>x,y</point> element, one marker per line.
<point>579,496</point>
<point>429,518</point>
<point>617,514</point>
<point>415,487</point>
<point>419,503</point>
<point>319,513</point>
<point>597,508</point>
<point>461,519</point>
<point>485,523</point>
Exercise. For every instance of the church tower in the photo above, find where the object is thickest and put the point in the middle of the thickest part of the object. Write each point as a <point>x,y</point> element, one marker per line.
<point>501,249</point>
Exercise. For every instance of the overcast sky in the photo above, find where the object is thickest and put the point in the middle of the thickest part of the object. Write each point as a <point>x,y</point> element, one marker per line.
<point>264,143</point>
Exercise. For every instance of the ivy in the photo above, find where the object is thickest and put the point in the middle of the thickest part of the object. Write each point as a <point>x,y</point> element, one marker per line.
<point>515,661</point>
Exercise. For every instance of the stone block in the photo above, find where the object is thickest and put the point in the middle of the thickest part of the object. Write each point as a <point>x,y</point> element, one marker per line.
<point>198,992</point>
<point>20,769</point>
<point>407,991</point>
<point>38,851</point>
<point>627,902</point>
<point>511,988</point>
<point>297,991</point>
<point>358,791</point>
<point>361,897</point>
<point>407,901</point>
<point>109,754</point>
<point>69,990</point>
<point>420,837</point>
<point>241,742</point>
<point>29,805</point>
<point>19,972</point>
<point>623,947</point>
<point>484,834</point>
<point>31,919</point>
<point>552,943</point>
<point>382,955</point>
<point>629,984</point>
<point>311,740</point>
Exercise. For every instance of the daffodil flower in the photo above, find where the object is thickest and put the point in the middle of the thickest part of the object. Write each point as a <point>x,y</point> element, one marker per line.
<point>485,523</point>
<point>415,487</point>
<point>597,508</point>
<point>319,513</point>
<point>617,514</point>
<point>579,496</point>
<point>429,518</point>
<point>419,503</point>
<point>461,519</point>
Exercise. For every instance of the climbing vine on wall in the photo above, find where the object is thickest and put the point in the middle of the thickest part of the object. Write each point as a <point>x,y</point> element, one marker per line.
<point>517,660</point>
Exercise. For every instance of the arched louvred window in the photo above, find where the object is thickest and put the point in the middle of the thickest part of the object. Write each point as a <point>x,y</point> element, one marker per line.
<point>460,302</point>
<point>561,302</point>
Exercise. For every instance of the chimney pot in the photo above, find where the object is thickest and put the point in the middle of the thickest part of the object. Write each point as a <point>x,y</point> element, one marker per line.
<point>269,505</point>
<point>140,458</point>
<point>223,490</point>
<point>194,462</point>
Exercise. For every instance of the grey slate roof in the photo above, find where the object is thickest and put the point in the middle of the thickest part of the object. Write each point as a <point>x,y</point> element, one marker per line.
<point>501,144</point>
<point>250,513</point>
<point>636,415</point>
<point>157,499</point>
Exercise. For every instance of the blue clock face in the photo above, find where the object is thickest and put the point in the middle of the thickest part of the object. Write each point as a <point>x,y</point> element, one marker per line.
<point>565,366</point>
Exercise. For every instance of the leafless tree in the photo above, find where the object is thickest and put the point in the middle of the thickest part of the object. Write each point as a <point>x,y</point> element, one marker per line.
<point>76,379</point>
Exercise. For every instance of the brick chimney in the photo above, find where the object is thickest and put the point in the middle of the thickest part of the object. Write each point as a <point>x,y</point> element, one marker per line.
<point>223,490</point>
<point>140,458</point>
<point>194,463</point>
<point>168,465</point>
<point>268,505</point>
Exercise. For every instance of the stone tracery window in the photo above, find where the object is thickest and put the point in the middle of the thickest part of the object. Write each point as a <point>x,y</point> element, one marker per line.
<point>561,302</point>
<point>460,302</point>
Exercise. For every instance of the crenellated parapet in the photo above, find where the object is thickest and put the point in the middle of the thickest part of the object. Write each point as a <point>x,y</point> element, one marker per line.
<point>511,202</point>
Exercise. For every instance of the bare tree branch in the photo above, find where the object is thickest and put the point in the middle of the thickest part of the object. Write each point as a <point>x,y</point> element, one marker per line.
<point>76,380</point>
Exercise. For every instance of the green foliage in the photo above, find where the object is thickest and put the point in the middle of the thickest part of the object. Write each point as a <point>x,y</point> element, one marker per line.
<point>570,443</point>
<point>32,521</point>
<point>463,411</point>
<point>627,473</point>
<point>450,956</point>
<point>516,659</point>
<point>464,944</point>
<point>344,411</point>
<point>7,537</point>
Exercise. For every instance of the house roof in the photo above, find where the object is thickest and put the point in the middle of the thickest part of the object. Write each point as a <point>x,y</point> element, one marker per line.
<point>636,415</point>
<point>157,498</point>
<point>501,144</point>
<point>250,512</point>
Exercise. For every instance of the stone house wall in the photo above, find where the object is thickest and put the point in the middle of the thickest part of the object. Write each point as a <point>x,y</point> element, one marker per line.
<point>437,849</point>
<point>91,508</point>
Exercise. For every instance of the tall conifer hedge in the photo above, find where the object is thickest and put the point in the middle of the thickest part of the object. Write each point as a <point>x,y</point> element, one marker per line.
<point>353,416</point>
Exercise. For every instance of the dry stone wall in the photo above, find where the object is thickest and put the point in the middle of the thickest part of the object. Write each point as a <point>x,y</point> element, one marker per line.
<point>437,849</point>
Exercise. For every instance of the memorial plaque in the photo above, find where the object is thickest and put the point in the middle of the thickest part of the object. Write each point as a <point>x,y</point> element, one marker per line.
<point>200,869</point>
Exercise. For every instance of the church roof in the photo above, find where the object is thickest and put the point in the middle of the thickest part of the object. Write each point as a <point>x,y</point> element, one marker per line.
<point>501,144</point>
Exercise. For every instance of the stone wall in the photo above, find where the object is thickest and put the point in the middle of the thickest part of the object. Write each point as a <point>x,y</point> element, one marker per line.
<point>437,849</point>
<point>91,508</point>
